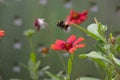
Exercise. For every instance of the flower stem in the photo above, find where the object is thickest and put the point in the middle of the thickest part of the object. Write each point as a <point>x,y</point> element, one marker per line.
<point>70,65</point>
<point>96,21</point>
<point>31,46</point>
<point>73,66</point>
<point>32,63</point>
<point>60,57</point>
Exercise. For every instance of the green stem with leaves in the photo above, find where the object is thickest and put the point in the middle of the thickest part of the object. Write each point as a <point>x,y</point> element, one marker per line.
<point>31,46</point>
<point>60,57</point>
<point>70,65</point>
<point>32,63</point>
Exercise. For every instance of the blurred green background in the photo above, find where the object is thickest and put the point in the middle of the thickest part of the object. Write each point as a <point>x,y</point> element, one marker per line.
<point>16,16</point>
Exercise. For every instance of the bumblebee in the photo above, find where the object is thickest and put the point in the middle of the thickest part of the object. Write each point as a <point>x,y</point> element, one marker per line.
<point>62,25</point>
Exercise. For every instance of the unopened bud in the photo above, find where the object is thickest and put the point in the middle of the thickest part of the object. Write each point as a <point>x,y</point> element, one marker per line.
<point>45,50</point>
<point>112,40</point>
<point>29,32</point>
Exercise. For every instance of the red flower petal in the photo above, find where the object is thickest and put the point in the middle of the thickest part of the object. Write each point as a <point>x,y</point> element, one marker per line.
<point>85,13</point>
<point>71,45</point>
<point>80,46</point>
<point>72,50</point>
<point>76,17</point>
<point>77,41</point>
<point>71,39</point>
<point>56,47</point>
<point>72,12</point>
<point>2,33</point>
<point>59,42</point>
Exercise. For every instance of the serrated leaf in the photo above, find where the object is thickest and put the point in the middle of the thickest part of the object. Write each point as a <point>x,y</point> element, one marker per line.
<point>94,55</point>
<point>53,76</point>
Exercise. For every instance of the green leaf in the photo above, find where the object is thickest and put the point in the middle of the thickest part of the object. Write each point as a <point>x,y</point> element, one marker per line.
<point>89,78</point>
<point>53,76</point>
<point>33,57</point>
<point>45,68</point>
<point>101,29</point>
<point>118,40</point>
<point>88,32</point>
<point>33,69</point>
<point>117,61</point>
<point>70,61</point>
<point>15,79</point>
<point>93,28</point>
<point>117,47</point>
<point>97,30</point>
<point>100,64</point>
<point>37,65</point>
<point>93,55</point>
<point>100,48</point>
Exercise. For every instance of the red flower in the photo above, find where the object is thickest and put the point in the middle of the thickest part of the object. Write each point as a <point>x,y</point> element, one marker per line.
<point>76,17</point>
<point>2,33</point>
<point>70,45</point>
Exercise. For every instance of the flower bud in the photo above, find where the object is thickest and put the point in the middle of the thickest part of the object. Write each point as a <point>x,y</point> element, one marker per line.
<point>29,32</point>
<point>44,50</point>
<point>112,40</point>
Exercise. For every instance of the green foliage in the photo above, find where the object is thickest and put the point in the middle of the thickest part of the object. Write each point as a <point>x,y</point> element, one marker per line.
<point>87,32</point>
<point>15,79</point>
<point>98,30</point>
<point>89,78</point>
<point>33,57</point>
<point>53,76</point>
<point>33,69</point>
<point>117,61</point>
<point>70,63</point>
<point>94,55</point>
<point>93,28</point>
<point>106,51</point>
<point>29,32</point>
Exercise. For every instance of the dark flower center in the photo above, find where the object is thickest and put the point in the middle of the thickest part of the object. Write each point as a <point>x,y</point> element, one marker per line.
<point>68,46</point>
<point>75,15</point>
